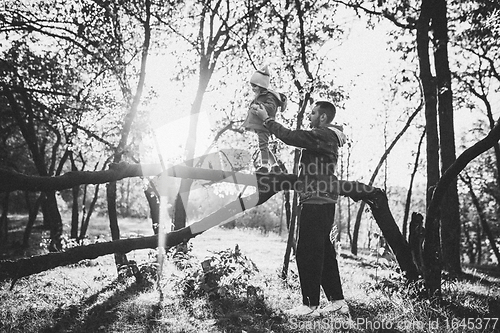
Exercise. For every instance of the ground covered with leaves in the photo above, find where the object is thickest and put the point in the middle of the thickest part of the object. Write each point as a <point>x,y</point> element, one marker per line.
<point>229,281</point>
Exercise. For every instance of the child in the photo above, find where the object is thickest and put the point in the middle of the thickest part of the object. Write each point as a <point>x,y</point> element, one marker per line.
<point>270,101</point>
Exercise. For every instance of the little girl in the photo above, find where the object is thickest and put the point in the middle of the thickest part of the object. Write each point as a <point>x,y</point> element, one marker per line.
<point>270,100</point>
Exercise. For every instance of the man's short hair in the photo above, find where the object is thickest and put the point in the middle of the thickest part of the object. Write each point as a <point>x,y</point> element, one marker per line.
<point>325,107</point>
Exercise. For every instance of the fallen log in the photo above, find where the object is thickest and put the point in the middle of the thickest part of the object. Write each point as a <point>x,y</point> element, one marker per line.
<point>267,184</point>
<point>14,181</point>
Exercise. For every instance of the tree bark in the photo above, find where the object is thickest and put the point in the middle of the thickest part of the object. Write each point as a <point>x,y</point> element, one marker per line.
<point>51,212</point>
<point>431,253</point>
<point>469,245</point>
<point>294,221</point>
<point>289,243</point>
<point>450,212</point>
<point>75,207</point>
<point>75,212</point>
<point>120,258</point>
<point>86,218</point>
<point>154,207</point>
<point>416,240</point>
<point>12,181</point>
<point>383,216</point>
<point>31,220</point>
<point>182,198</point>
<point>410,187</point>
<point>4,221</point>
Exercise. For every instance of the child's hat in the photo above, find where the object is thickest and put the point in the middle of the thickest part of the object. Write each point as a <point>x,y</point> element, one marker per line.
<point>261,77</point>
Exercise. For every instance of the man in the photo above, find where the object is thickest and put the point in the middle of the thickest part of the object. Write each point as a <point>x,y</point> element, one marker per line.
<point>316,257</point>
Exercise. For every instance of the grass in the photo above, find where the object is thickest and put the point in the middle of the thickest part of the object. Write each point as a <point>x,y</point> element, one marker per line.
<point>91,297</point>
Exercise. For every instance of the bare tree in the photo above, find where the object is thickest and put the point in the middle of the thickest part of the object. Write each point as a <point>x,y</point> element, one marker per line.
<point>354,245</point>
<point>217,27</point>
<point>482,218</point>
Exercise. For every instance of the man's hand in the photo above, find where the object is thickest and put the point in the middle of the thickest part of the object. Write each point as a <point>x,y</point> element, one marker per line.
<point>260,111</point>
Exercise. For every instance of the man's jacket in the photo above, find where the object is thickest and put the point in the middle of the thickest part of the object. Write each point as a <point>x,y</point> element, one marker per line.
<point>318,159</point>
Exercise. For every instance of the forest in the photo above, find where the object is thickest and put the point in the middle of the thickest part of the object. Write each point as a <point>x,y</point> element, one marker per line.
<point>117,111</point>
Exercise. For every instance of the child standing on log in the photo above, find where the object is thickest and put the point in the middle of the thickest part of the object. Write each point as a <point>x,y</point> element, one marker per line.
<point>269,100</point>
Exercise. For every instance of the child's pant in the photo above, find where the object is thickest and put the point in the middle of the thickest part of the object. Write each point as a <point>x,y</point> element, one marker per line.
<point>266,156</point>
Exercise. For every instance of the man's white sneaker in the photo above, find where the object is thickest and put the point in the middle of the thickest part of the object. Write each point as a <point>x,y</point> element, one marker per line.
<point>303,311</point>
<point>339,306</point>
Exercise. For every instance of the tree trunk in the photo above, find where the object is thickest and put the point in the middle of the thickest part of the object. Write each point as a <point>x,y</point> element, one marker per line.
<point>469,250</point>
<point>357,225</point>
<point>349,234</point>
<point>4,221</point>
<point>450,213</point>
<point>120,258</point>
<point>295,211</point>
<point>479,243</point>
<point>339,206</point>
<point>377,200</point>
<point>52,215</point>
<point>75,207</point>
<point>86,218</point>
<point>290,241</point>
<point>431,253</point>
<point>416,240</point>
<point>31,220</point>
<point>12,181</point>
<point>410,187</point>
<point>182,198</point>
<point>154,207</point>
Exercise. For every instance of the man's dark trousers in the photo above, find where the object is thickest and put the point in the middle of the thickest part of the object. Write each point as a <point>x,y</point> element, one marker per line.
<point>316,257</point>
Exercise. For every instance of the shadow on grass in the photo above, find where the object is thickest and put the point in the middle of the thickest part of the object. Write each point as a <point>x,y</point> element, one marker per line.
<point>486,277</point>
<point>91,315</point>
<point>461,310</point>
<point>14,249</point>
<point>472,305</point>
<point>248,313</point>
<point>490,270</point>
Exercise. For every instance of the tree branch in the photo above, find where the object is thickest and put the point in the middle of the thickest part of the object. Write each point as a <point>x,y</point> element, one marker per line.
<point>384,13</point>
<point>461,162</point>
